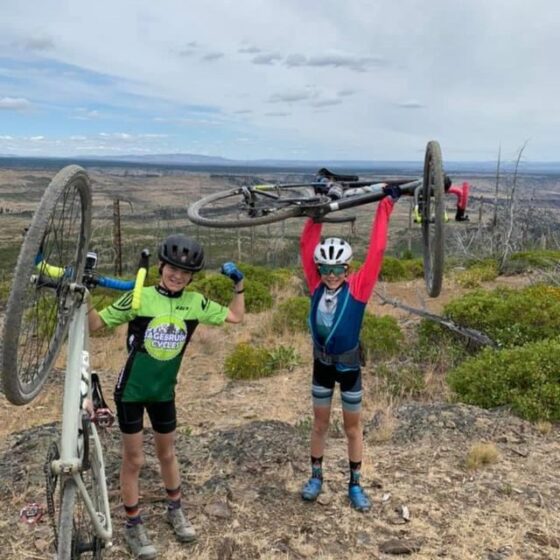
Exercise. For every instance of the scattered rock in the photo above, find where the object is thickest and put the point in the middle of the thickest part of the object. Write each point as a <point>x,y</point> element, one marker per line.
<point>400,546</point>
<point>219,509</point>
<point>226,549</point>
<point>542,539</point>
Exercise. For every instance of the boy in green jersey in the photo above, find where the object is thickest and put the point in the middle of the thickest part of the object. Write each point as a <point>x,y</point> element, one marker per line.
<point>158,334</point>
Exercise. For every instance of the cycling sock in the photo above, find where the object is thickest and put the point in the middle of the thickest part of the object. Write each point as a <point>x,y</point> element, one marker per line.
<point>173,498</point>
<point>133,516</point>
<point>355,473</point>
<point>317,467</point>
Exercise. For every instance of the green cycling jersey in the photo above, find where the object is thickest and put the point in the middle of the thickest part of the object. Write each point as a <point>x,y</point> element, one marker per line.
<point>158,334</point>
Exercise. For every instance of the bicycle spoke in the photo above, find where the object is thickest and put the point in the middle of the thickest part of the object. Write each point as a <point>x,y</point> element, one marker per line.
<point>38,308</point>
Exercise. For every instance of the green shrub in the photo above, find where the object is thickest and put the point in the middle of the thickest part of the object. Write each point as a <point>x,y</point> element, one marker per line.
<point>394,270</point>
<point>526,378</point>
<point>219,288</point>
<point>283,357</point>
<point>248,361</point>
<point>510,317</point>
<point>269,277</point>
<point>476,273</point>
<point>540,258</point>
<point>291,315</point>
<point>381,337</point>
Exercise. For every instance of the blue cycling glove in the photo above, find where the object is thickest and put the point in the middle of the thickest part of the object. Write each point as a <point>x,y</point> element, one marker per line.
<point>394,191</point>
<point>232,272</point>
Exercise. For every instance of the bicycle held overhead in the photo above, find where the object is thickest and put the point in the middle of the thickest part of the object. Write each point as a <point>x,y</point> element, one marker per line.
<point>253,205</point>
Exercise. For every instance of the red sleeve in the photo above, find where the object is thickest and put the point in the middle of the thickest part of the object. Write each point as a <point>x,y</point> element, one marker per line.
<point>363,281</point>
<point>462,194</point>
<point>310,236</point>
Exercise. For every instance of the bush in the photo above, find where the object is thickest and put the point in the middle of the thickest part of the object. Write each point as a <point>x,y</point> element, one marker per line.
<point>394,270</point>
<point>526,378</point>
<point>291,315</point>
<point>219,288</point>
<point>510,317</point>
<point>248,361</point>
<point>381,337</point>
<point>269,277</point>
<point>476,273</point>
<point>543,259</point>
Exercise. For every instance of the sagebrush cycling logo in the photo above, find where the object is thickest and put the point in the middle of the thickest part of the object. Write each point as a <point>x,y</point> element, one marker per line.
<point>165,337</point>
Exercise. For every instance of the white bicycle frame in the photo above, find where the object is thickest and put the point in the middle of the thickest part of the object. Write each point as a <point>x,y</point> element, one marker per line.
<point>77,387</point>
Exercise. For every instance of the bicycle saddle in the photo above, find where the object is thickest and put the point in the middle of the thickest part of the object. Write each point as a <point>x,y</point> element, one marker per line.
<point>324,172</point>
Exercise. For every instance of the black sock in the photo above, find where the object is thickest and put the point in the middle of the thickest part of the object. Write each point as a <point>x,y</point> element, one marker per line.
<point>317,467</point>
<point>355,473</point>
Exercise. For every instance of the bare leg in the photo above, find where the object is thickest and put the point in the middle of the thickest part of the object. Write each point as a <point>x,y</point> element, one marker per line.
<point>354,435</point>
<point>132,461</point>
<point>165,451</point>
<point>321,417</point>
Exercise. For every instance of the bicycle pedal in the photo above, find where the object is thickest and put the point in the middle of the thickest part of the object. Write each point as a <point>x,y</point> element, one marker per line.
<point>104,418</point>
<point>31,513</point>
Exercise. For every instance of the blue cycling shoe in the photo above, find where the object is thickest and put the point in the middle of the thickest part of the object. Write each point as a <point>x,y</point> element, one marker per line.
<point>312,489</point>
<point>358,498</point>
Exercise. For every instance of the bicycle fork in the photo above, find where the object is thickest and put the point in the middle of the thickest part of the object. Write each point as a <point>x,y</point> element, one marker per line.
<point>73,440</point>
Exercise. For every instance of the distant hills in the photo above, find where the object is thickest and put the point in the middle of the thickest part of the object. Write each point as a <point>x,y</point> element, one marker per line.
<point>204,162</point>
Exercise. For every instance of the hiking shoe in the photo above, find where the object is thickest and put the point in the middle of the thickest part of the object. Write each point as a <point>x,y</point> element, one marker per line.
<point>312,489</point>
<point>139,543</point>
<point>182,527</point>
<point>358,498</point>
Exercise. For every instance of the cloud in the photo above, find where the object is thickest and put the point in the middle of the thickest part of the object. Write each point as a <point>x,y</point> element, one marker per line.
<point>277,114</point>
<point>249,50</point>
<point>345,92</point>
<point>270,58</point>
<point>39,44</point>
<point>14,104</point>
<point>351,62</point>
<point>212,56</point>
<point>243,112</point>
<point>410,104</point>
<point>290,97</point>
<point>325,102</point>
<point>86,114</point>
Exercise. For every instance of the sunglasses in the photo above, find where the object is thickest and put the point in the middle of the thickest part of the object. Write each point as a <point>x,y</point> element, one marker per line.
<point>336,269</point>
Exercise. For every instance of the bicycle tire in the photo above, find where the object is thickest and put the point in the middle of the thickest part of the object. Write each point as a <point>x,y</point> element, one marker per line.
<point>433,211</point>
<point>37,317</point>
<point>236,212</point>
<point>76,533</point>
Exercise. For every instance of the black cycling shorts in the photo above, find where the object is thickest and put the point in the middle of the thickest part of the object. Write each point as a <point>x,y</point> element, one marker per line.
<point>163,416</point>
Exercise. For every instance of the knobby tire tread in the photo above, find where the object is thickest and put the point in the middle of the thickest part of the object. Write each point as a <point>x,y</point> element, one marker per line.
<point>12,386</point>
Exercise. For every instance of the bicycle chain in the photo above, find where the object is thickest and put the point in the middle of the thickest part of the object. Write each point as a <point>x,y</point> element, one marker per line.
<point>51,480</point>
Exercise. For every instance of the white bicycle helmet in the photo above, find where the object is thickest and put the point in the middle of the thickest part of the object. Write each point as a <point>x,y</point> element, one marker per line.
<point>333,250</point>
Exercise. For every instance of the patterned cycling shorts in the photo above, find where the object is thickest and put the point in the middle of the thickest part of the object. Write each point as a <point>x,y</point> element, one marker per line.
<point>324,379</point>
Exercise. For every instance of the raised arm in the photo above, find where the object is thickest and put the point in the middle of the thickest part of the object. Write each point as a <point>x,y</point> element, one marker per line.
<point>236,309</point>
<point>363,281</point>
<point>310,237</point>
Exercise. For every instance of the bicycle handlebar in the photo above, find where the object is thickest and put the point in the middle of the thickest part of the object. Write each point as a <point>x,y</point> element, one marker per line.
<point>140,277</point>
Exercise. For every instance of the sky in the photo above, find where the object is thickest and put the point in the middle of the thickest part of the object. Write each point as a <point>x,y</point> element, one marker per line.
<point>281,79</point>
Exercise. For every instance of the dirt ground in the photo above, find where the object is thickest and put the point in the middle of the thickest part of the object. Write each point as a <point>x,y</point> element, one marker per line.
<point>243,450</point>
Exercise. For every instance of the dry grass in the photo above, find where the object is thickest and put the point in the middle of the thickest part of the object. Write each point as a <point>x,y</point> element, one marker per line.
<point>481,454</point>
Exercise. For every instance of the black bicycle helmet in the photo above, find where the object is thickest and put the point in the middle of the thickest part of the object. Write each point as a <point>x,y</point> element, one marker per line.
<point>183,252</point>
<point>446,182</point>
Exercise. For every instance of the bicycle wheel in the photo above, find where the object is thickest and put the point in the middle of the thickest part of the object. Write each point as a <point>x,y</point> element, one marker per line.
<point>40,305</point>
<point>76,533</point>
<point>433,219</point>
<point>244,207</point>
